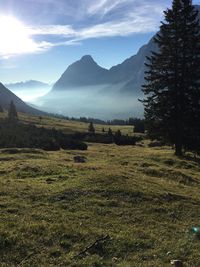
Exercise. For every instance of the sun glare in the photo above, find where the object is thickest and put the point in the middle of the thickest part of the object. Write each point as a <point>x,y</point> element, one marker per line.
<point>15,37</point>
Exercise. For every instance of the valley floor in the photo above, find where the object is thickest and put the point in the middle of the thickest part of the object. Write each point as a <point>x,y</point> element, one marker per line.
<point>144,201</point>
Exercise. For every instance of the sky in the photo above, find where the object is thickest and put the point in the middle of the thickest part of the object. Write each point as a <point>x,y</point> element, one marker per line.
<point>41,38</point>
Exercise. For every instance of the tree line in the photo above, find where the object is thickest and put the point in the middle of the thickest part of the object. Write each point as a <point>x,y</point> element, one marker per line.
<point>139,124</point>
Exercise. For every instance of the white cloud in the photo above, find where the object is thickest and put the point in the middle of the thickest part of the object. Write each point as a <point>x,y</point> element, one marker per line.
<point>128,17</point>
<point>144,18</point>
<point>132,24</point>
<point>135,21</point>
<point>105,6</point>
<point>63,30</point>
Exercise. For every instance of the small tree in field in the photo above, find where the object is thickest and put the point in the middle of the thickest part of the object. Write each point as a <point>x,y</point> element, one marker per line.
<point>110,133</point>
<point>118,134</point>
<point>91,128</point>
<point>12,112</point>
<point>172,89</point>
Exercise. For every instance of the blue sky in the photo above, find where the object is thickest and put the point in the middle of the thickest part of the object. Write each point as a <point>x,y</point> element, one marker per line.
<point>42,37</point>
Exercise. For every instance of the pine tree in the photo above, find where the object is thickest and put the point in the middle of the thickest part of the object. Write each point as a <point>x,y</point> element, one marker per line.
<point>12,112</point>
<point>91,128</point>
<point>172,89</point>
<point>110,133</point>
<point>139,126</point>
<point>1,109</point>
<point>118,134</point>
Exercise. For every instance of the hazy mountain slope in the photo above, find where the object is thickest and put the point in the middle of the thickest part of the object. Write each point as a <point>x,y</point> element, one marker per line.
<point>6,96</point>
<point>131,71</point>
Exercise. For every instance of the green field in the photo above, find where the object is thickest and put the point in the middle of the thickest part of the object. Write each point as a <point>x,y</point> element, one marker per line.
<point>143,200</point>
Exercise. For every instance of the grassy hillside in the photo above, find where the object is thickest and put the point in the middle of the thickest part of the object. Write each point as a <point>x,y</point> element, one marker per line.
<point>144,201</point>
<point>68,126</point>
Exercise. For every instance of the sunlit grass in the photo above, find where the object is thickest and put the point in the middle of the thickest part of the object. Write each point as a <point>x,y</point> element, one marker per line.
<point>145,199</point>
<point>69,126</point>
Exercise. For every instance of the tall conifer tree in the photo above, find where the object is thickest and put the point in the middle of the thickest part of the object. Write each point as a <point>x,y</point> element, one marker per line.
<point>172,89</point>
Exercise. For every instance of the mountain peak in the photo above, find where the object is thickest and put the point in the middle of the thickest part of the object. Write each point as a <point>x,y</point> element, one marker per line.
<point>85,72</point>
<point>87,58</point>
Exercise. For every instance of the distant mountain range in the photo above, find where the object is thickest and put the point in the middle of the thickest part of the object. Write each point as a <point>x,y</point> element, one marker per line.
<point>6,96</point>
<point>26,85</point>
<point>29,90</point>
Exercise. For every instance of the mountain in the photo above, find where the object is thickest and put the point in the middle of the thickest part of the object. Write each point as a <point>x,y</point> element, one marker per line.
<point>6,96</point>
<point>29,90</point>
<point>27,84</point>
<point>126,77</point>
<point>131,71</point>
<point>86,89</point>
<point>84,72</point>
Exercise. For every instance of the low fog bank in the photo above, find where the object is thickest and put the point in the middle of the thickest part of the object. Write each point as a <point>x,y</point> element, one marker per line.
<point>30,94</point>
<point>96,102</point>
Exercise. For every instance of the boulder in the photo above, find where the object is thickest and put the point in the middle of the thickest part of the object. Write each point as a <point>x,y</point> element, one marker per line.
<point>79,159</point>
<point>177,263</point>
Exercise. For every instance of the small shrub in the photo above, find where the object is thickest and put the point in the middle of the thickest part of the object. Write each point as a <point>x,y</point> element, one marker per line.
<point>126,140</point>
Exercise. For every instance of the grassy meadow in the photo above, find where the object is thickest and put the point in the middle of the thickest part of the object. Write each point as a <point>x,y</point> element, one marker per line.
<point>68,126</point>
<point>125,206</point>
